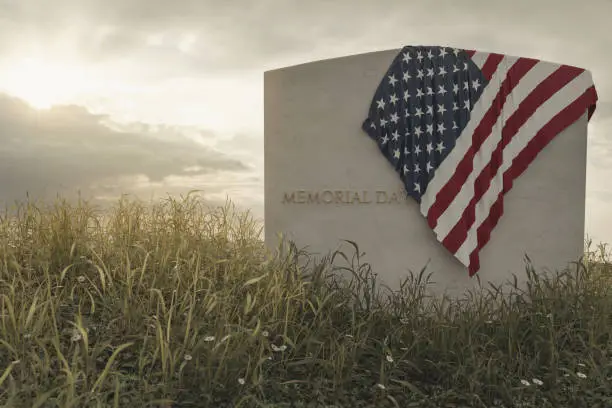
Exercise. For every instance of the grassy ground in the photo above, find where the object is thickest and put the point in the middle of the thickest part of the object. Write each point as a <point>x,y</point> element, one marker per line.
<point>178,305</point>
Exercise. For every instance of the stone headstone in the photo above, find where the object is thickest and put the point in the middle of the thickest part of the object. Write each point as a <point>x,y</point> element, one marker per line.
<point>325,181</point>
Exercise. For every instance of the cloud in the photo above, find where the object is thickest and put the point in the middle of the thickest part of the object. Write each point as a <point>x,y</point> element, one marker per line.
<point>68,148</point>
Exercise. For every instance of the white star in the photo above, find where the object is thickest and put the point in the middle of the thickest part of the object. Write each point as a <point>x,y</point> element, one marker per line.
<point>419,56</point>
<point>385,140</point>
<point>392,80</point>
<point>466,104</point>
<point>417,150</point>
<point>465,67</point>
<point>441,128</point>
<point>406,76</point>
<point>430,110</point>
<point>406,151</point>
<point>383,122</point>
<point>475,84</point>
<point>394,118</point>
<point>455,88</point>
<point>418,132</point>
<point>466,86</point>
<point>429,91</point>
<point>417,169</point>
<point>396,153</point>
<point>456,51</point>
<point>406,113</point>
<point>393,99</point>
<point>455,125</point>
<point>455,107</point>
<point>440,147</point>
<point>430,129</point>
<point>420,73</point>
<point>429,148</point>
<point>441,90</point>
<point>381,103</point>
<point>430,54</point>
<point>441,109</point>
<point>430,72</point>
<point>455,69</point>
<point>420,93</point>
<point>407,57</point>
<point>406,170</point>
<point>429,167</point>
<point>419,112</point>
<point>406,95</point>
<point>442,71</point>
<point>396,136</point>
<point>373,125</point>
<point>417,187</point>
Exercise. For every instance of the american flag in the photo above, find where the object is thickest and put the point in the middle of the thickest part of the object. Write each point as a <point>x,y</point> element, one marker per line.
<point>459,126</point>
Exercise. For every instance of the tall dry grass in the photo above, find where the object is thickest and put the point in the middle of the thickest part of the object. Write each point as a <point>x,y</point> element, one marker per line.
<point>176,304</point>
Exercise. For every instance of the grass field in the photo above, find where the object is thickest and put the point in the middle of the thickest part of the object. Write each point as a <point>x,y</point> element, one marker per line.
<point>174,304</point>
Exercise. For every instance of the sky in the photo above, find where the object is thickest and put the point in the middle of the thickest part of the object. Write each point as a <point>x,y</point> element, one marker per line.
<point>153,97</point>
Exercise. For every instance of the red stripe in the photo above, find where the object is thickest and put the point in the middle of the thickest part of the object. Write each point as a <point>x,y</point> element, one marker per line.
<point>470,53</point>
<point>540,94</point>
<point>557,124</point>
<point>490,66</point>
<point>447,193</point>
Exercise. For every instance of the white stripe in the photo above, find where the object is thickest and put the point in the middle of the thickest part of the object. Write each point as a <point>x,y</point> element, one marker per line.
<point>448,166</point>
<point>479,58</point>
<point>527,84</point>
<point>543,115</point>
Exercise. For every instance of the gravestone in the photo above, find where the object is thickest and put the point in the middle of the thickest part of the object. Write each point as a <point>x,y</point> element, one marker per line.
<point>326,180</point>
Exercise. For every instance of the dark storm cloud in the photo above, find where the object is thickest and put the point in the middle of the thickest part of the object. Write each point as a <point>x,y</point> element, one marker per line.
<point>69,148</point>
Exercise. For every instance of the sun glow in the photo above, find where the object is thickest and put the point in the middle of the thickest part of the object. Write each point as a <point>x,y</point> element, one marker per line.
<point>42,83</point>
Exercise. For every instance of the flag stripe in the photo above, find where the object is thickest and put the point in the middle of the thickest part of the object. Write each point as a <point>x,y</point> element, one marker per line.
<point>539,123</point>
<point>491,64</point>
<point>482,131</point>
<point>556,125</point>
<point>448,166</point>
<point>544,90</point>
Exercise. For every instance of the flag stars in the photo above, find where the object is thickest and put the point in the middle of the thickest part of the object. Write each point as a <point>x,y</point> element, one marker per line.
<point>383,122</point>
<point>440,147</point>
<point>443,53</point>
<point>429,91</point>
<point>429,148</point>
<point>441,109</point>
<point>406,95</point>
<point>430,54</point>
<point>442,72</point>
<point>407,57</point>
<point>418,113</point>
<point>466,86</point>
<point>456,52</point>
<point>418,132</point>
<point>406,76</point>
<point>393,99</point>
<point>394,117</point>
<point>430,72</point>
<point>455,69</point>
<point>419,56</point>
<point>430,110</point>
<point>396,136</point>
<point>396,153</point>
<point>381,103</point>
<point>417,187</point>
<point>384,140</point>
<point>392,80</point>
<point>417,150</point>
<point>455,107</point>
<point>420,73</point>
<point>429,167</point>
<point>455,88</point>
<point>420,93</point>
<point>441,90</point>
<point>417,169</point>
<point>430,130</point>
<point>441,128</point>
<point>406,169</point>
<point>476,84</point>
